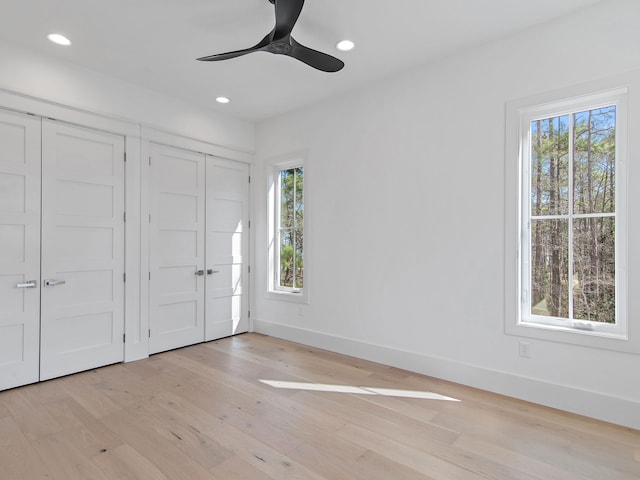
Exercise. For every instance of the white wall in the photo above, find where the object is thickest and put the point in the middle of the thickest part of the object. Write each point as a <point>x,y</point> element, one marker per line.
<point>405,197</point>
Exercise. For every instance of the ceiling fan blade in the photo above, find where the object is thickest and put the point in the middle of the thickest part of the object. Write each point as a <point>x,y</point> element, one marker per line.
<point>287,13</point>
<point>227,55</point>
<point>314,58</point>
<point>237,53</point>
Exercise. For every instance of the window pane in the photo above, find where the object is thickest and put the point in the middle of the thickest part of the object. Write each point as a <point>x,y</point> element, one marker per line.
<point>286,198</point>
<point>286,258</point>
<point>550,166</point>
<point>299,200</point>
<point>594,269</point>
<point>299,259</point>
<point>550,268</point>
<point>594,161</point>
<point>290,228</point>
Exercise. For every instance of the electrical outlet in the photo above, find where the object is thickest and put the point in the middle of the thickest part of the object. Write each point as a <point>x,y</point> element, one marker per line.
<point>525,349</point>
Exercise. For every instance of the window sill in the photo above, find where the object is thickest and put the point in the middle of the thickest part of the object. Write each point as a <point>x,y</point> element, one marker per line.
<point>293,297</point>
<point>573,336</point>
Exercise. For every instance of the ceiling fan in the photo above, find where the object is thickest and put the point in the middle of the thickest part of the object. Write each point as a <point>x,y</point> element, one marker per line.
<point>280,42</point>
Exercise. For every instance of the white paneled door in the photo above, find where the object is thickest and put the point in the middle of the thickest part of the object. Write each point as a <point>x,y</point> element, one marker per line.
<point>177,248</point>
<point>227,244</point>
<point>199,240</point>
<point>19,249</point>
<point>82,285</point>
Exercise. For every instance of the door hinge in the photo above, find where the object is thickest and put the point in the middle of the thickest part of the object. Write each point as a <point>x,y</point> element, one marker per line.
<point>149,333</point>
<point>124,338</point>
<point>249,223</point>
<point>149,159</point>
<point>149,275</point>
<point>124,277</point>
<point>249,313</point>
<point>249,269</point>
<point>249,178</point>
<point>124,217</point>
<point>125,157</point>
<point>149,218</point>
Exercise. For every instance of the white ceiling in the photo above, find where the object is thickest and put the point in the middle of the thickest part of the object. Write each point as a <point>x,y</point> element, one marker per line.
<point>154,43</point>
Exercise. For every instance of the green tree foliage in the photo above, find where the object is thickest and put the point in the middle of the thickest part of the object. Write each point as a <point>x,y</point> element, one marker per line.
<point>573,226</point>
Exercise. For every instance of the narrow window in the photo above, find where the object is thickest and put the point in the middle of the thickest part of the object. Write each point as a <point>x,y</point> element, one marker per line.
<point>290,230</point>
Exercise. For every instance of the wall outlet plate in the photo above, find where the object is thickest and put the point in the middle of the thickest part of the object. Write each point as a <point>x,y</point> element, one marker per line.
<point>524,349</point>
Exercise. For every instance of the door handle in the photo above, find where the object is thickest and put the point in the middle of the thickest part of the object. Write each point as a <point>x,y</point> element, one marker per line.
<point>50,282</point>
<point>28,284</point>
<point>200,273</point>
<point>211,271</point>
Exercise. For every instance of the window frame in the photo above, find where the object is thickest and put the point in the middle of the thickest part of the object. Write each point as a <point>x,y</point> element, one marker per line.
<point>520,114</point>
<point>274,289</point>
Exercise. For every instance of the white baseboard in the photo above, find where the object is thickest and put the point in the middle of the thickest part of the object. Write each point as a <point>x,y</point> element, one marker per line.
<point>582,402</point>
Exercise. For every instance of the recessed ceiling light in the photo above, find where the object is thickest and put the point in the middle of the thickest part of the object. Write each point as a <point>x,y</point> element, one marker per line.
<point>345,45</point>
<point>59,39</point>
<point>222,100</point>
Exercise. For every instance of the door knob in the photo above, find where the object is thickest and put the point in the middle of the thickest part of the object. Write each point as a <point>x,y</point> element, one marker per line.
<point>27,284</point>
<point>200,273</point>
<point>50,282</point>
<point>211,271</point>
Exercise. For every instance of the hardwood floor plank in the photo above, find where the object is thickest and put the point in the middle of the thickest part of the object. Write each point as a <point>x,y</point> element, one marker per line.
<point>238,469</point>
<point>261,456</point>
<point>353,410</point>
<point>92,400</point>
<point>125,463</point>
<point>64,460</point>
<point>255,389</point>
<point>527,467</point>
<point>34,421</point>
<point>86,433</point>
<point>418,460</point>
<point>151,437</point>
<point>366,466</point>
<point>573,451</point>
<point>18,460</point>
<point>416,410</point>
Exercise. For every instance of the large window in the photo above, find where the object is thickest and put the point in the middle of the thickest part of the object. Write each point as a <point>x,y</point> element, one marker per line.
<point>290,251</point>
<point>572,253</point>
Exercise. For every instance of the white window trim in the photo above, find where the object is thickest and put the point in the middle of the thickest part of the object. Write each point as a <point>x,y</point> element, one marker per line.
<point>275,292</point>
<point>519,115</point>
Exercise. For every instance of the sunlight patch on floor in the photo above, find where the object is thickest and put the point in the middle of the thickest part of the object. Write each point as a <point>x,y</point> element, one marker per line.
<point>387,392</point>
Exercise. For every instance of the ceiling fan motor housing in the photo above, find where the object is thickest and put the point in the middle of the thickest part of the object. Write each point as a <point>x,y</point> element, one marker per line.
<point>281,48</point>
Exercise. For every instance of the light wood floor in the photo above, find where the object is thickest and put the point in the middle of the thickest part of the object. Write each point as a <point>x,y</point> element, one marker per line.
<point>202,413</point>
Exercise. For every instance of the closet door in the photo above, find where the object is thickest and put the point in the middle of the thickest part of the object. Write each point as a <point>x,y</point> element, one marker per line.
<point>177,248</point>
<point>82,320</point>
<point>19,249</point>
<point>227,247</point>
